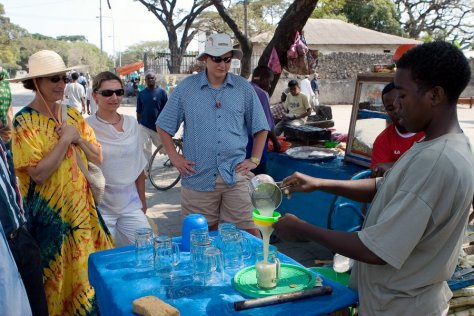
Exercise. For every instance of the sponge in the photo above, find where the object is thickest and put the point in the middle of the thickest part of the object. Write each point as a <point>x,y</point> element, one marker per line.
<point>153,306</point>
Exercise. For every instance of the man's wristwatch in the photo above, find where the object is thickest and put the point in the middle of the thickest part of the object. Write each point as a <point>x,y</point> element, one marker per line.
<point>255,160</point>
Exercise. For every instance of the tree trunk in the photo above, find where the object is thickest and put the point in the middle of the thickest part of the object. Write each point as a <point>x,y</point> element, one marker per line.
<point>245,43</point>
<point>292,21</point>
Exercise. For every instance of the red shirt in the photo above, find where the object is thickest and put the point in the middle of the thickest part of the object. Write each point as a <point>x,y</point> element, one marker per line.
<point>390,145</point>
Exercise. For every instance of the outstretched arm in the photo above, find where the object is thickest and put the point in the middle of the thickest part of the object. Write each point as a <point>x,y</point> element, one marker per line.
<point>358,190</point>
<point>347,244</point>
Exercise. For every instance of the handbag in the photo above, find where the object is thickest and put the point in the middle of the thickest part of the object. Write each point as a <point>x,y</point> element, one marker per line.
<point>93,173</point>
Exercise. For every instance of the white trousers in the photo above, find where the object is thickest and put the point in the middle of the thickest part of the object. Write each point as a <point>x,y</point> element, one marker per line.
<point>147,137</point>
<point>122,227</point>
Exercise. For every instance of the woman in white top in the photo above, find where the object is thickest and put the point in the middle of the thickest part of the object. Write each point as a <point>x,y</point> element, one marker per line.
<point>123,207</point>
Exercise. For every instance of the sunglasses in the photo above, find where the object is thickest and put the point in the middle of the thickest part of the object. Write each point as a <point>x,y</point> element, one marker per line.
<point>109,93</point>
<point>57,78</point>
<point>219,59</point>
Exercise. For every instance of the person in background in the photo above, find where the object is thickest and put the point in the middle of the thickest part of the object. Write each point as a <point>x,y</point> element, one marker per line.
<point>278,109</point>
<point>124,205</point>
<point>150,103</point>
<point>306,89</point>
<point>411,238</point>
<point>90,102</point>
<point>6,110</point>
<point>394,140</point>
<point>315,88</point>
<point>296,106</point>
<point>76,94</point>
<point>61,212</point>
<point>262,78</point>
<point>219,111</point>
<point>24,248</point>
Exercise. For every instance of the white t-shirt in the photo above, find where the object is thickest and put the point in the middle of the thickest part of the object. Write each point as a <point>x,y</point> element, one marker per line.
<point>416,224</point>
<point>75,93</point>
<point>123,162</point>
<point>93,105</point>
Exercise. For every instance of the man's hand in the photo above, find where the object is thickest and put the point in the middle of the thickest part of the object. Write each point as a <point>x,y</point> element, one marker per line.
<point>185,167</point>
<point>245,166</point>
<point>298,182</point>
<point>289,228</point>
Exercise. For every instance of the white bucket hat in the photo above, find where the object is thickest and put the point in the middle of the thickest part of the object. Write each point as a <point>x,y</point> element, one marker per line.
<point>219,44</point>
<point>45,63</point>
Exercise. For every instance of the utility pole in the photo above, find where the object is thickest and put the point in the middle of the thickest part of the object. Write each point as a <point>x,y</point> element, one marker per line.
<point>101,46</point>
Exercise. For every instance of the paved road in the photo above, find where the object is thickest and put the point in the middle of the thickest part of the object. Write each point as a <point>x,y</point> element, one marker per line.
<point>164,207</point>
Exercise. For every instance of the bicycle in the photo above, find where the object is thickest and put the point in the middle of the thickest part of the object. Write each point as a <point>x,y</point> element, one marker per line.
<point>161,172</point>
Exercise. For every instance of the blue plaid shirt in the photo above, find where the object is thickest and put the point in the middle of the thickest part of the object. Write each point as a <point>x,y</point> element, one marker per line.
<point>214,137</point>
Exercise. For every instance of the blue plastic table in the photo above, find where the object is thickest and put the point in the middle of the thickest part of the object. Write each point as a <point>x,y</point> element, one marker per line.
<point>117,283</point>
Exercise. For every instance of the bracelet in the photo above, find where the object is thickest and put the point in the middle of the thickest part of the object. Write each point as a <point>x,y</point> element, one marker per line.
<point>255,160</point>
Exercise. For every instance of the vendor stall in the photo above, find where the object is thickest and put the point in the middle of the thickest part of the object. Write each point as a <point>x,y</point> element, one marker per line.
<point>368,119</point>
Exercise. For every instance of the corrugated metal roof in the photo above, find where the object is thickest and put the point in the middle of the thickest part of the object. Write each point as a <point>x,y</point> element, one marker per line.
<point>337,32</point>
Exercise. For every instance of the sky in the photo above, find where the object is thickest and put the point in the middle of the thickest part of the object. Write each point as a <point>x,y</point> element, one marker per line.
<point>128,23</point>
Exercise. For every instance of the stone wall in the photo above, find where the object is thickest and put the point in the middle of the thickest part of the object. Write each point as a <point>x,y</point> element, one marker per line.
<point>338,73</point>
<point>340,66</point>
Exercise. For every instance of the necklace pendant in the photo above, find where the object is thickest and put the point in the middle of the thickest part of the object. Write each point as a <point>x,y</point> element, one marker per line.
<point>218,104</point>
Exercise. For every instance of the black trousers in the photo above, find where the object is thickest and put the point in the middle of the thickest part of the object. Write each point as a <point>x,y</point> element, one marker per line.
<point>27,257</point>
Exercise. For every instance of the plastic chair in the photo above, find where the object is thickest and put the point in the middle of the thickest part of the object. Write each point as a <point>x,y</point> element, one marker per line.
<point>340,206</point>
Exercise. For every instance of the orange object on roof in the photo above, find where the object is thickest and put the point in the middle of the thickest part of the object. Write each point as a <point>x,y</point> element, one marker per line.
<point>402,49</point>
<point>125,70</point>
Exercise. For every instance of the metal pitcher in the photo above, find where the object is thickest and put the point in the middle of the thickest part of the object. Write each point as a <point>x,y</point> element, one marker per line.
<point>265,194</point>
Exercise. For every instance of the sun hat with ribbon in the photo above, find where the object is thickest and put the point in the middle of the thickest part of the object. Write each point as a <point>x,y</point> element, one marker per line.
<point>217,45</point>
<point>45,63</point>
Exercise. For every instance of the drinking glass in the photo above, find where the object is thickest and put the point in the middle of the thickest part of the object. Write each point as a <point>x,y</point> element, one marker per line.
<point>144,247</point>
<point>199,244</point>
<point>191,222</point>
<point>166,257</point>
<point>235,248</point>
<point>214,266</point>
<point>268,271</point>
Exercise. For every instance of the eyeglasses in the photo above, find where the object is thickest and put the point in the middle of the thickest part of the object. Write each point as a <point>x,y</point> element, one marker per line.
<point>57,78</point>
<point>218,59</point>
<point>109,93</point>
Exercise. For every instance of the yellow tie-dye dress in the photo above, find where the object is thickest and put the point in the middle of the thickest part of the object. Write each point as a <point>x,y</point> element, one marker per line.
<point>61,212</point>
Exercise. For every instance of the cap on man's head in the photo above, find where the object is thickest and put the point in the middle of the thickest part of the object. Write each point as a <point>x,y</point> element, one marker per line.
<point>217,45</point>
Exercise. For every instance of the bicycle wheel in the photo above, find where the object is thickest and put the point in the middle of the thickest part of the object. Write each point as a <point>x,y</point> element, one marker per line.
<point>162,174</point>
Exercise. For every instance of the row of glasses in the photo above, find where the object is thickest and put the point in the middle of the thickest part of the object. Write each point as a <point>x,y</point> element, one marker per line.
<point>159,252</point>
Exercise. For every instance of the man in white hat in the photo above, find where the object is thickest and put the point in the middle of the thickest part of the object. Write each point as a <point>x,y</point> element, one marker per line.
<point>219,111</point>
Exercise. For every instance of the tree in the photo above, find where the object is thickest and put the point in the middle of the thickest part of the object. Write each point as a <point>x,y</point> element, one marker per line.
<point>451,20</point>
<point>261,16</point>
<point>259,13</point>
<point>9,33</point>
<point>135,52</point>
<point>73,53</point>
<point>291,22</point>
<point>176,20</point>
<point>72,38</point>
<point>378,15</point>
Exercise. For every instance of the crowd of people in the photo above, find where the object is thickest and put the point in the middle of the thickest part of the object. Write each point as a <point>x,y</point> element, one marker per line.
<point>50,220</point>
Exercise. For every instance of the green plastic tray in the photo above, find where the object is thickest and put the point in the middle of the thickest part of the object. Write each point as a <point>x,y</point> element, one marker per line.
<point>245,281</point>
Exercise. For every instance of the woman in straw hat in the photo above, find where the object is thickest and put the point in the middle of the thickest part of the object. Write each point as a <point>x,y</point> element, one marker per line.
<point>57,197</point>
<point>123,207</point>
